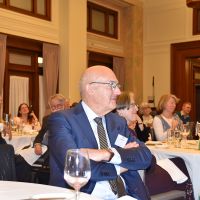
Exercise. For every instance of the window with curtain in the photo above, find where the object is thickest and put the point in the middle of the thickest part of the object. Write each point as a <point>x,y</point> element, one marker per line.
<point>18,93</point>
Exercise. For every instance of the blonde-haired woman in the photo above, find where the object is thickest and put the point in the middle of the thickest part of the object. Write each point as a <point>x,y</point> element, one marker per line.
<point>166,119</point>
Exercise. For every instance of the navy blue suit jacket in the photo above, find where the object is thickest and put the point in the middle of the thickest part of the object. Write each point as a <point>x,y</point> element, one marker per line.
<point>71,129</point>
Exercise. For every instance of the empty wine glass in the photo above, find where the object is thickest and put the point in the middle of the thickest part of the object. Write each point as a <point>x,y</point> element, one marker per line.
<point>197,131</point>
<point>77,169</point>
<point>185,132</point>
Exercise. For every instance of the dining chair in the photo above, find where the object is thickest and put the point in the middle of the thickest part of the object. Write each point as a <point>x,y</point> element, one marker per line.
<point>161,186</point>
<point>7,163</point>
<point>40,169</point>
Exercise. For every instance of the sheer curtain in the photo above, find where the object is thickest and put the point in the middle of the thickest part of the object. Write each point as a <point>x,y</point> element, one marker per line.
<point>2,65</point>
<point>19,93</point>
<point>51,62</point>
<point>119,69</point>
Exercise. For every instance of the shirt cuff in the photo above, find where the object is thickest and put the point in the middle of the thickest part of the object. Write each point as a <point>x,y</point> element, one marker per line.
<point>116,159</point>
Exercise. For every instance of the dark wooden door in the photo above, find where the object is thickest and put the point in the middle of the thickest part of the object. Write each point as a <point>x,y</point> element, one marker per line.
<point>185,74</point>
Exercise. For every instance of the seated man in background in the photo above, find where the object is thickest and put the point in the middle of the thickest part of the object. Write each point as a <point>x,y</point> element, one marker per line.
<point>84,126</point>
<point>184,113</point>
<point>56,102</point>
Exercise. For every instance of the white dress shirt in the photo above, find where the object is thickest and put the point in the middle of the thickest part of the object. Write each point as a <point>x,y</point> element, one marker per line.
<point>102,189</point>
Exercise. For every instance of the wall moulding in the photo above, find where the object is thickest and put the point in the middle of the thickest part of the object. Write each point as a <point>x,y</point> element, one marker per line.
<point>30,27</point>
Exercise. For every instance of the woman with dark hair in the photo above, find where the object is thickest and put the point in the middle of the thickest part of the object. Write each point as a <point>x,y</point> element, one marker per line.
<point>26,118</point>
<point>127,108</point>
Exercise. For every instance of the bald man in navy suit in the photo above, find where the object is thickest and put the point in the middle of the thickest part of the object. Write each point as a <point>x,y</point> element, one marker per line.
<point>76,128</point>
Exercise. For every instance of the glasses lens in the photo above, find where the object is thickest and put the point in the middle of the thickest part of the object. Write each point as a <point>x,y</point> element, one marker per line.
<point>114,85</point>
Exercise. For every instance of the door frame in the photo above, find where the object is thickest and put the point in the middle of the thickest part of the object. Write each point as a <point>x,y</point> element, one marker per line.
<point>34,49</point>
<point>182,76</point>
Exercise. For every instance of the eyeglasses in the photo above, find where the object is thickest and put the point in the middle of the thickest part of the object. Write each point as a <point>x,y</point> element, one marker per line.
<point>56,107</point>
<point>112,84</point>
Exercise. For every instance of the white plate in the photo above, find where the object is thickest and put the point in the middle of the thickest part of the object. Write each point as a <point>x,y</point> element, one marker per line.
<point>153,142</point>
<point>54,196</point>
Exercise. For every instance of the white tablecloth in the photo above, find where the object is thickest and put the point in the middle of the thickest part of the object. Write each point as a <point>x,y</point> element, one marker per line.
<point>20,141</point>
<point>11,190</point>
<point>191,158</point>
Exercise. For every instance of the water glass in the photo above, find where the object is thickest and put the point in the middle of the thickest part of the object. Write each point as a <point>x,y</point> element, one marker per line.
<point>170,137</point>
<point>177,138</point>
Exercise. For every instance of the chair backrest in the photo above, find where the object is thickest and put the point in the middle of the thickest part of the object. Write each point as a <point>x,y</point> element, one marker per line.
<point>153,135</point>
<point>7,163</point>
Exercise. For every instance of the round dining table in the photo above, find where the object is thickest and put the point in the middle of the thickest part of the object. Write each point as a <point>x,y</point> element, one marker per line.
<point>11,190</point>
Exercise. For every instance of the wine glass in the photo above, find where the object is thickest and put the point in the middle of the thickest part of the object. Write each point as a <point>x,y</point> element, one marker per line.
<point>77,169</point>
<point>185,132</point>
<point>1,127</point>
<point>198,129</point>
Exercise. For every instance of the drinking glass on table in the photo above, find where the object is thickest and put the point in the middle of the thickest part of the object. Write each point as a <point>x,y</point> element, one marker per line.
<point>77,169</point>
<point>197,131</point>
<point>1,127</point>
<point>177,138</point>
<point>170,137</point>
<point>185,132</point>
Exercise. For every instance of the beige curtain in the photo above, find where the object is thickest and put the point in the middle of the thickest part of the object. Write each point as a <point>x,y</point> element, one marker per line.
<point>18,93</point>
<point>2,65</point>
<point>51,62</point>
<point>119,69</point>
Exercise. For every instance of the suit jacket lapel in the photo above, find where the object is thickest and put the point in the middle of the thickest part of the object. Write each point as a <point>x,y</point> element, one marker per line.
<point>85,125</point>
<point>112,129</point>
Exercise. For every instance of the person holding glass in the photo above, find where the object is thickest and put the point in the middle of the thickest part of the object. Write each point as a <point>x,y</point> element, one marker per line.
<point>166,120</point>
<point>89,123</point>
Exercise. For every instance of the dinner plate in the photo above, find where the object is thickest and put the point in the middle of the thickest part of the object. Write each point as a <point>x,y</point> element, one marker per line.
<point>54,196</point>
<point>153,142</point>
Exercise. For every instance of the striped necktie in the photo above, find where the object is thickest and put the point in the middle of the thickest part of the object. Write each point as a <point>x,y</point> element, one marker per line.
<point>116,185</point>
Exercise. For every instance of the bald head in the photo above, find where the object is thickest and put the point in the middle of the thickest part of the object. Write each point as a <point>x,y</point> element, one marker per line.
<point>99,89</point>
<point>94,73</point>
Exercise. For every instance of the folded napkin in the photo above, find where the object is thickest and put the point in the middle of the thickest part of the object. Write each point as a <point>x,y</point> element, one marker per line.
<point>29,154</point>
<point>126,197</point>
<point>175,173</point>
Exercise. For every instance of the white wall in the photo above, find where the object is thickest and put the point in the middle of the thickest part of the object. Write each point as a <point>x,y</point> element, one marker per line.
<point>165,22</point>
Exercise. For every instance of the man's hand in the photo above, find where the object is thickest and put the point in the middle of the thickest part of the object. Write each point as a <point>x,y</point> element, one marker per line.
<point>98,155</point>
<point>38,149</point>
<point>131,145</point>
